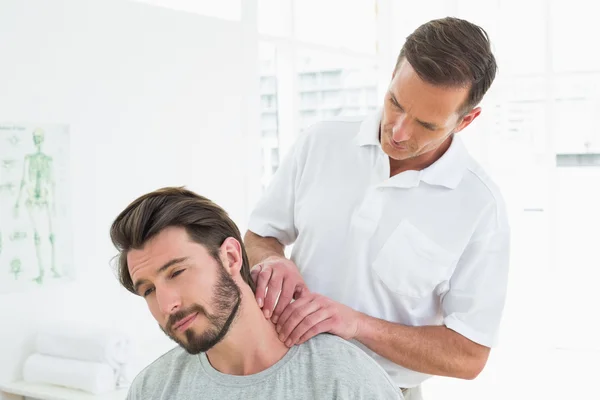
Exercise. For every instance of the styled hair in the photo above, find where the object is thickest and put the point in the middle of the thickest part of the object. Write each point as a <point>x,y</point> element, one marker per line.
<point>452,52</point>
<point>205,222</point>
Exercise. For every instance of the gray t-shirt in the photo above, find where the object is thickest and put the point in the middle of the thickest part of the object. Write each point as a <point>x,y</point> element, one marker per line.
<point>325,367</point>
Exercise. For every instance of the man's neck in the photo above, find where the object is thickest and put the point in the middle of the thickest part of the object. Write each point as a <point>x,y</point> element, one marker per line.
<point>251,345</point>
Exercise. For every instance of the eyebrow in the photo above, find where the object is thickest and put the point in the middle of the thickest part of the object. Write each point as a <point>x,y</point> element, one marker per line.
<point>428,125</point>
<point>162,269</point>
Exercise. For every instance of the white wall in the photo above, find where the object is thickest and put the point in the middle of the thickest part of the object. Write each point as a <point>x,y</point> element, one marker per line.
<point>153,98</point>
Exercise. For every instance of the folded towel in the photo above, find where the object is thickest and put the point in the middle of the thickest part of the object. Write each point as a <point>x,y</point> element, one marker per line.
<point>91,377</point>
<point>84,343</point>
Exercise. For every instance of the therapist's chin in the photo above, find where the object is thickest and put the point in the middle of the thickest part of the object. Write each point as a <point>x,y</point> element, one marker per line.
<point>395,153</point>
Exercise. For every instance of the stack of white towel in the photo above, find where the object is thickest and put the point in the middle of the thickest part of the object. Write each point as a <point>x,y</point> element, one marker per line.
<point>84,358</point>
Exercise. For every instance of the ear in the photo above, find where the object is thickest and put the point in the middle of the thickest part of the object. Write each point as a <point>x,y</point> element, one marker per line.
<point>231,256</point>
<point>467,119</point>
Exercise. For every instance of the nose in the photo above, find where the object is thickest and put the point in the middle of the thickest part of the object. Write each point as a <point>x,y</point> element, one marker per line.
<point>400,130</point>
<point>168,300</point>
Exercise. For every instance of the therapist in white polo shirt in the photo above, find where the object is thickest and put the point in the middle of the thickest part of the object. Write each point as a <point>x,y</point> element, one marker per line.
<point>401,240</point>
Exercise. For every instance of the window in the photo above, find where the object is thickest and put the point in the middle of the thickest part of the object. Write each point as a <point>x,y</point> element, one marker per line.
<point>269,115</point>
<point>334,85</point>
<point>315,65</point>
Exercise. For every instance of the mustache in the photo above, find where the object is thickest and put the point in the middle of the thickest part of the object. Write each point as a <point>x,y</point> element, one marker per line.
<point>181,314</point>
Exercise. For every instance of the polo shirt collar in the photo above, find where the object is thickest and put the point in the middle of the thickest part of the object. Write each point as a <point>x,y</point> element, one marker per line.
<point>450,168</point>
<point>447,171</point>
<point>368,133</point>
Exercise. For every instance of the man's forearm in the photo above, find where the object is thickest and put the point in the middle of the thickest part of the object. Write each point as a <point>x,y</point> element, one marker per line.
<point>435,350</point>
<point>260,248</point>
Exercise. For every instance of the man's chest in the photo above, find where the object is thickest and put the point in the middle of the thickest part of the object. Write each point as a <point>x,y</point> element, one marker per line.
<point>343,204</point>
<point>411,238</point>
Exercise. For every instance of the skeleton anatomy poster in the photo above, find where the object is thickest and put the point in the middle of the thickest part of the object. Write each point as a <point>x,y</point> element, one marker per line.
<point>35,220</point>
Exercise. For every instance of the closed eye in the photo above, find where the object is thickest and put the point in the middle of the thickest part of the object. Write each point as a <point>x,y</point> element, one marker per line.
<point>177,273</point>
<point>395,103</point>
<point>428,127</point>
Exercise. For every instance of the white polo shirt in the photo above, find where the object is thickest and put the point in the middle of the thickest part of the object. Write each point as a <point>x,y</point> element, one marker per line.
<point>427,247</point>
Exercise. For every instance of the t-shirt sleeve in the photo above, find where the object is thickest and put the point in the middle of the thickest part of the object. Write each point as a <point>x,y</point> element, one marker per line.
<point>384,392</point>
<point>474,303</point>
<point>382,386</point>
<point>273,216</point>
<point>370,383</point>
<point>141,385</point>
<point>134,392</point>
<point>360,376</point>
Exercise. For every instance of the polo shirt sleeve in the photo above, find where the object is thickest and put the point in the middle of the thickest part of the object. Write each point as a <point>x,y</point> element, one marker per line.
<point>474,303</point>
<point>273,216</point>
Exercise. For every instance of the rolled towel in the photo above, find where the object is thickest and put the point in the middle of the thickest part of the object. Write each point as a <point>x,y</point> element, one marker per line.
<point>92,377</point>
<point>84,343</point>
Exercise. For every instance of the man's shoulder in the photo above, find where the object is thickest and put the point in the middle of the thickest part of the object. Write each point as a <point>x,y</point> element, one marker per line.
<point>328,343</point>
<point>333,128</point>
<point>350,364</point>
<point>335,350</point>
<point>481,182</point>
<point>483,189</point>
<point>154,374</point>
<point>317,140</point>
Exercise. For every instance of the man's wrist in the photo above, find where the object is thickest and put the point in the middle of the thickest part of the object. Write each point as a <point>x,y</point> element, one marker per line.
<point>363,326</point>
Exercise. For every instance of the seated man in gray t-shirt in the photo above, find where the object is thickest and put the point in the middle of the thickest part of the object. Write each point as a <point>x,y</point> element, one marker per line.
<point>185,256</point>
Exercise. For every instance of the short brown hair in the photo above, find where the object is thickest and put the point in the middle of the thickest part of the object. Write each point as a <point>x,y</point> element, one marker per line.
<point>205,222</point>
<point>452,52</point>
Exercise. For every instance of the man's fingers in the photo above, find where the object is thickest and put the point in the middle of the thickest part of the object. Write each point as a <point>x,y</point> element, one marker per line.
<point>254,272</point>
<point>261,285</point>
<point>285,297</point>
<point>296,317</point>
<point>300,291</point>
<point>275,287</point>
<point>323,326</point>
<point>309,321</point>
<point>285,315</point>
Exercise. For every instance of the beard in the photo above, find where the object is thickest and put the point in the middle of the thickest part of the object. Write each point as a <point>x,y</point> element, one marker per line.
<point>226,301</point>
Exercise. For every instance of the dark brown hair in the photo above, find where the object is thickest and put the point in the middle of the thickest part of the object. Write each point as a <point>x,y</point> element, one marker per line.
<point>205,222</point>
<point>452,52</point>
